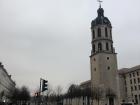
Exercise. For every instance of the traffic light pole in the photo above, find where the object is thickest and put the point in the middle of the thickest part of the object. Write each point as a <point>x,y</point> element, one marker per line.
<point>40,85</point>
<point>43,87</point>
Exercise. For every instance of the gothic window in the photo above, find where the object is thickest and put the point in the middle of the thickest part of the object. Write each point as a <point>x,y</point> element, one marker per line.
<point>106,33</point>
<point>99,46</point>
<point>99,32</point>
<point>107,46</point>
<point>93,34</point>
<point>93,48</point>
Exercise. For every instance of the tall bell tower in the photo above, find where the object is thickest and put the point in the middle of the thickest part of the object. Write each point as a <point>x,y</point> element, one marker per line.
<point>103,58</point>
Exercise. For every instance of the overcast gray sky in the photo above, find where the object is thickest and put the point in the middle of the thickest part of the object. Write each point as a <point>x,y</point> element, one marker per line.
<point>52,39</point>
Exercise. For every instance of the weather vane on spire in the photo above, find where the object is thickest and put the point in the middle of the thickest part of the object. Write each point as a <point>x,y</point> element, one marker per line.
<point>100,3</point>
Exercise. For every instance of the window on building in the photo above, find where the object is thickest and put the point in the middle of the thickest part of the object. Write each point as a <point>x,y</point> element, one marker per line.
<point>108,67</point>
<point>134,80</point>
<point>138,80</point>
<point>107,46</point>
<point>94,59</point>
<point>131,81</point>
<point>136,99</point>
<point>139,87</point>
<point>135,87</point>
<point>133,74</point>
<point>99,46</point>
<point>137,73</point>
<point>139,96</point>
<point>106,33</point>
<point>93,34</point>
<point>94,69</point>
<point>99,32</point>
<point>107,58</point>
<point>130,75</point>
<point>131,88</point>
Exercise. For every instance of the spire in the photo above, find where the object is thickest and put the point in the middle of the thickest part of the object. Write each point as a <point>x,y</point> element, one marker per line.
<point>100,10</point>
<point>100,3</point>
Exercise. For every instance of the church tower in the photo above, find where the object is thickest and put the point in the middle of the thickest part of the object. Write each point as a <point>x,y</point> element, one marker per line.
<point>103,59</point>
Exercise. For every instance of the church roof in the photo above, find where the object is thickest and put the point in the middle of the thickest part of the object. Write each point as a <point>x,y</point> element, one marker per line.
<point>101,19</point>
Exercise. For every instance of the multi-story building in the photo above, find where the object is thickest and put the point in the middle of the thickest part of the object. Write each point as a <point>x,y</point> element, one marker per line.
<point>7,85</point>
<point>129,79</point>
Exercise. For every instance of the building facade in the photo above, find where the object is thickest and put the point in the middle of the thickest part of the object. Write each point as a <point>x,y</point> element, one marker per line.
<point>103,59</point>
<point>129,79</point>
<point>7,85</point>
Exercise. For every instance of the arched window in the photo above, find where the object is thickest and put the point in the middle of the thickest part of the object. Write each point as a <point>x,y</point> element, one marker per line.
<point>106,33</point>
<point>93,34</point>
<point>99,46</point>
<point>93,47</point>
<point>107,46</point>
<point>99,32</point>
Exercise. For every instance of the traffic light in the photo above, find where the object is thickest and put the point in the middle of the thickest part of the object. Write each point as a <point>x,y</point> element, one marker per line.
<point>44,85</point>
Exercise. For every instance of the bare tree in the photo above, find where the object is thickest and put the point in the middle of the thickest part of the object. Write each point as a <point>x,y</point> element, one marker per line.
<point>59,90</point>
<point>86,92</point>
<point>21,95</point>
